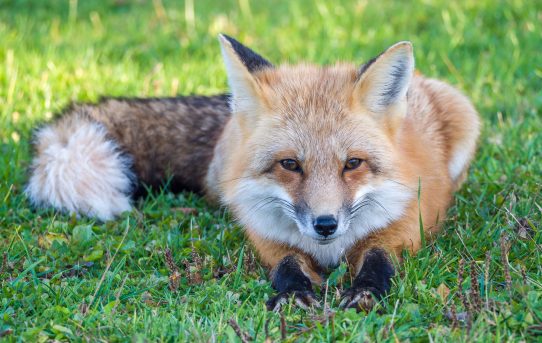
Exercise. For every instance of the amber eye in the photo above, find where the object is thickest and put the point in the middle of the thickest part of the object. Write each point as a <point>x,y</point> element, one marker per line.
<point>352,163</point>
<point>290,165</point>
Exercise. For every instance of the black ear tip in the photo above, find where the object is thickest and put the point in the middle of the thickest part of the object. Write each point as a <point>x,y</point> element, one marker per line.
<point>250,59</point>
<point>230,39</point>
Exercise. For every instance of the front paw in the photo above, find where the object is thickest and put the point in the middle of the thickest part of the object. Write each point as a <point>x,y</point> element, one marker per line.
<point>360,298</point>
<point>303,299</point>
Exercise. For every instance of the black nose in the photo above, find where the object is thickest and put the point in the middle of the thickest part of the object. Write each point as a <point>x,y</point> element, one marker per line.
<point>325,225</point>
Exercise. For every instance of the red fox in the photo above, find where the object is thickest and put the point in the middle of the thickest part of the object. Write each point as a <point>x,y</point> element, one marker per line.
<point>319,164</point>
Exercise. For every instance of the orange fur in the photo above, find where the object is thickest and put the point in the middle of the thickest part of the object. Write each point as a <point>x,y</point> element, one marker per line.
<point>321,116</point>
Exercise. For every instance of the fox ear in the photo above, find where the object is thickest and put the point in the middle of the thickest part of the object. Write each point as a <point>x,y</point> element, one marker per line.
<point>383,81</point>
<point>241,63</point>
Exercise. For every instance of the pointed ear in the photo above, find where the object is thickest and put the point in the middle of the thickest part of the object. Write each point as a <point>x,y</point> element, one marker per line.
<point>383,81</point>
<point>241,63</point>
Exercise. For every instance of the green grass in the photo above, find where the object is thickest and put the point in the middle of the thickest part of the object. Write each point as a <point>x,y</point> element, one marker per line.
<point>71,279</point>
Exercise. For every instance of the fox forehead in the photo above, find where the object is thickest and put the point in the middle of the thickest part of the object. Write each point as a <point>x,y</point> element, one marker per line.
<point>311,116</point>
<point>308,89</point>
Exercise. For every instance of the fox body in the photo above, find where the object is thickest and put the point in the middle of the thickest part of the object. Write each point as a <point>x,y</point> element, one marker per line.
<point>319,164</point>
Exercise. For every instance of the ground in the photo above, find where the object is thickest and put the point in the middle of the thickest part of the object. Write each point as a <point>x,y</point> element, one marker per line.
<point>69,278</point>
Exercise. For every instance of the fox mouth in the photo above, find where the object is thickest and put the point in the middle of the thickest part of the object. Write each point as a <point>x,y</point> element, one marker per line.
<point>325,241</point>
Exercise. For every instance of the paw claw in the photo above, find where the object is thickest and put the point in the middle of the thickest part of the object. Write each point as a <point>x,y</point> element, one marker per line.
<point>278,304</point>
<point>358,298</point>
<point>303,299</point>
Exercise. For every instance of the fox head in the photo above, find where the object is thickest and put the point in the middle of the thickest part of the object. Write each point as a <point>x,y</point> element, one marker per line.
<point>311,154</point>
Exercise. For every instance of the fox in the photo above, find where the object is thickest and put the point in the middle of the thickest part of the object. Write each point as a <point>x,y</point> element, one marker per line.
<point>320,165</point>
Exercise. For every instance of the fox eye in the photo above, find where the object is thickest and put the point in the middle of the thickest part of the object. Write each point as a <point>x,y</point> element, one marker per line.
<point>290,165</point>
<point>352,163</point>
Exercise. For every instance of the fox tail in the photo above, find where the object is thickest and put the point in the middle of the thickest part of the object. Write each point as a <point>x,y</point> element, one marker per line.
<point>78,167</point>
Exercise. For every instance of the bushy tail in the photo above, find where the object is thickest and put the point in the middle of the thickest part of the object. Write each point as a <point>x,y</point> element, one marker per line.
<point>78,167</point>
<point>88,161</point>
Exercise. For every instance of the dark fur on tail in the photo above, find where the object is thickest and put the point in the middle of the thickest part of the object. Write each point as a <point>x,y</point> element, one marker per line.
<point>170,140</point>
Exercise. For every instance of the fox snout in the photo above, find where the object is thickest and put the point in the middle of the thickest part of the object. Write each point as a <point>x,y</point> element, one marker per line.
<point>325,225</point>
<point>324,208</point>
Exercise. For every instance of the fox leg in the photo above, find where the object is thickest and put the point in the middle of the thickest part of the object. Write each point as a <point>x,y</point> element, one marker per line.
<point>372,280</point>
<point>292,273</point>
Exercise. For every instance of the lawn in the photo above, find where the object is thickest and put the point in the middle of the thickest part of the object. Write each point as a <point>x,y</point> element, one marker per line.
<point>69,278</point>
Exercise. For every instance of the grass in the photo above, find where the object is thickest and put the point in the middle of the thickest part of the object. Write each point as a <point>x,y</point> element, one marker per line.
<point>70,278</point>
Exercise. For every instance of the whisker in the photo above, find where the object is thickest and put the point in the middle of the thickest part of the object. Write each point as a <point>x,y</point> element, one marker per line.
<point>237,178</point>
<point>358,206</point>
<point>259,202</point>
<point>370,198</point>
<point>402,184</point>
<point>273,201</point>
<point>286,206</point>
<point>357,210</point>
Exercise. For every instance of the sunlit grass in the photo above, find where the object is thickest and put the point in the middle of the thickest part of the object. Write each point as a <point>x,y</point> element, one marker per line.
<point>72,278</point>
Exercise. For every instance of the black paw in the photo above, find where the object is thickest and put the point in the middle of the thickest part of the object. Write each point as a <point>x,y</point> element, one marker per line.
<point>303,299</point>
<point>360,298</point>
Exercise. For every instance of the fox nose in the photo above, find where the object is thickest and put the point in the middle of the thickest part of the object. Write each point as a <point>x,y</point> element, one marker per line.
<point>325,225</point>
